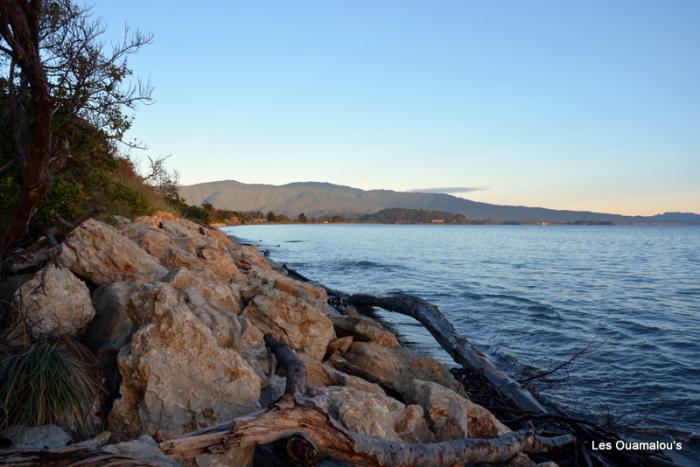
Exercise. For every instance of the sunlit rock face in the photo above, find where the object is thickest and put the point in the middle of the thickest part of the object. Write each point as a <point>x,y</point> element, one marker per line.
<point>179,312</point>
<point>99,253</point>
<point>292,321</point>
<point>176,377</point>
<point>398,367</point>
<point>52,303</point>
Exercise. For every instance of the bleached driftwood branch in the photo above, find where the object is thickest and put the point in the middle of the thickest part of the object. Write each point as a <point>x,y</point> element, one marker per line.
<point>461,350</point>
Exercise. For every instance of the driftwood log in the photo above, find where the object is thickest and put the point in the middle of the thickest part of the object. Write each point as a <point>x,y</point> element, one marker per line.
<point>85,454</point>
<point>461,350</point>
<point>314,434</point>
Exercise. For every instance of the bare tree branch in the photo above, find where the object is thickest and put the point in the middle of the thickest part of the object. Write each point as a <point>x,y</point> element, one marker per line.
<point>67,78</point>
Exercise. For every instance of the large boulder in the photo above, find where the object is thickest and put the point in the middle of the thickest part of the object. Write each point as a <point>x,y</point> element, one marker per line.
<point>181,244</point>
<point>53,303</point>
<point>248,258</point>
<point>160,245</point>
<point>448,412</point>
<point>149,300</point>
<point>262,280</point>
<point>373,414</point>
<point>292,321</point>
<point>175,376</point>
<point>310,293</point>
<point>397,367</point>
<point>223,296</point>
<point>99,253</point>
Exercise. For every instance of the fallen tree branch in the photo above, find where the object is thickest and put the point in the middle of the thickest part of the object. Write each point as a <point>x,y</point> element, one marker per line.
<point>295,385</point>
<point>315,434</point>
<point>545,373</point>
<point>69,456</point>
<point>39,253</point>
<point>461,350</point>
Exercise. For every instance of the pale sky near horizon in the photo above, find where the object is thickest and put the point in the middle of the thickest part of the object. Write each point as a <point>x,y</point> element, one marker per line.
<point>589,105</point>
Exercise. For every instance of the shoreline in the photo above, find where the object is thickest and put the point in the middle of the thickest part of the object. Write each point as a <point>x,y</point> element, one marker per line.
<point>219,225</point>
<point>202,339</point>
<point>633,437</point>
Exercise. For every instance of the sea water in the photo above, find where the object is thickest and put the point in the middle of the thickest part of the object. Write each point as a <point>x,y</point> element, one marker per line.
<point>531,297</point>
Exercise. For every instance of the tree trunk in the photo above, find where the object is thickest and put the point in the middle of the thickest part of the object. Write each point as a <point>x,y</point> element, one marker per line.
<point>24,42</point>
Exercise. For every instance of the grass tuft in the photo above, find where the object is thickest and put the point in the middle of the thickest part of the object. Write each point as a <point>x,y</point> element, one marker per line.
<point>54,381</point>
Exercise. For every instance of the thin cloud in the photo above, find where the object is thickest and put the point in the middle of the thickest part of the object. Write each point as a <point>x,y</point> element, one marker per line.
<point>450,189</point>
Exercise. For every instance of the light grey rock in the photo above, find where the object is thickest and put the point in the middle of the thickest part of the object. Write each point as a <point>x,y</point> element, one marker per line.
<point>144,449</point>
<point>36,437</point>
<point>176,377</point>
<point>54,303</point>
<point>98,252</point>
<point>373,414</point>
<point>121,220</point>
<point>397,367</point>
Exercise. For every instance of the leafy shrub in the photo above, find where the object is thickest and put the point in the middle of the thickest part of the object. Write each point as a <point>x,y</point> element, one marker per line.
<point>54,381</point>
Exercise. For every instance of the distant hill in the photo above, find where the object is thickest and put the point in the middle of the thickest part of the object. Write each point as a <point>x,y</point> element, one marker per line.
<point>325,199</point>
<point>414,216</point>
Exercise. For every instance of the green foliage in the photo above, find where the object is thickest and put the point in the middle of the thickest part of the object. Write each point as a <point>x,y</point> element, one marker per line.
<point>62,201</point>
<point>415,216</point>
<point>51,382</point>
<point>193,213</point>
<point>93,177</point>
<point>9,191</point>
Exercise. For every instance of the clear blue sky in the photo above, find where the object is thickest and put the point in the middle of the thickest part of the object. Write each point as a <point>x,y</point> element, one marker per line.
<point>581,105</point>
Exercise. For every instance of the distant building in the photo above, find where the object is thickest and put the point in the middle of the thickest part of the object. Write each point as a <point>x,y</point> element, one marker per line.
<point>437,221</point>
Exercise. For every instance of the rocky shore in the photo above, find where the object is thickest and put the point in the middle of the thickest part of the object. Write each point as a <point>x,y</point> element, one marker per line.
<point>175,315</point>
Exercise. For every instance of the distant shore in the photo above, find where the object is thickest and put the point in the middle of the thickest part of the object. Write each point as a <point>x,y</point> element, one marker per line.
<point>351,222</point>
<point>401,216</point>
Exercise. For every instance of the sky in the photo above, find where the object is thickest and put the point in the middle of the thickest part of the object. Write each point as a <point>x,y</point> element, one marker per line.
<point>590,105</point>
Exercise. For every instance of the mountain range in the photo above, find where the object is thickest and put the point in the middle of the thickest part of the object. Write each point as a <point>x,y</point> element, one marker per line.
<point>316,199</point>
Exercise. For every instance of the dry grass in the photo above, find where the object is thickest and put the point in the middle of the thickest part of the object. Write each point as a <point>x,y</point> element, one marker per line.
<point>54,381</point>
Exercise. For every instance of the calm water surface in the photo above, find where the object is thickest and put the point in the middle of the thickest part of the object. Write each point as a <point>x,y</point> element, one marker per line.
<point>532,296</point>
